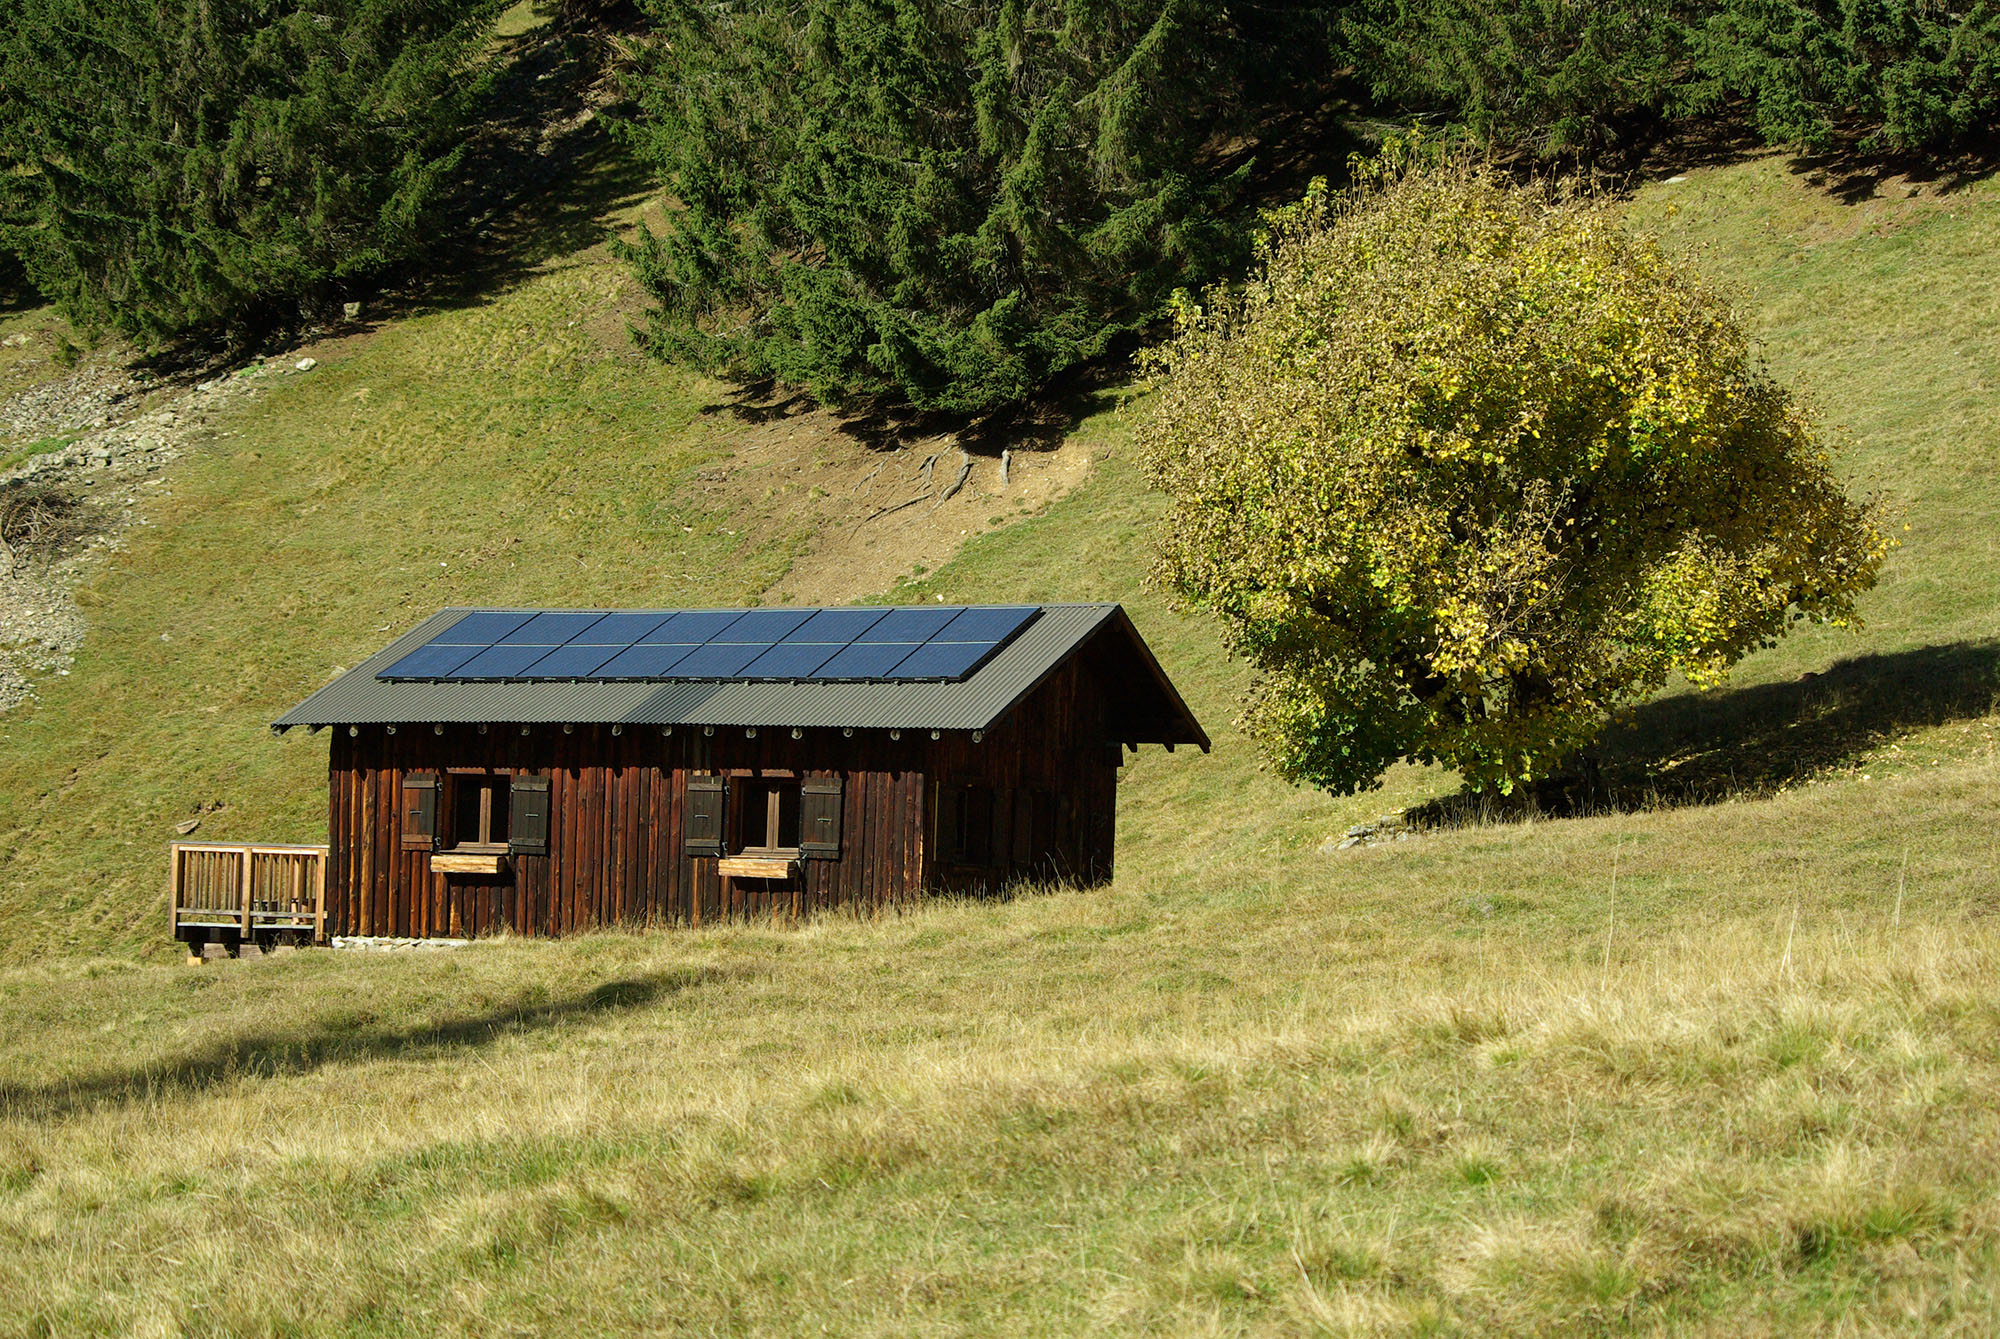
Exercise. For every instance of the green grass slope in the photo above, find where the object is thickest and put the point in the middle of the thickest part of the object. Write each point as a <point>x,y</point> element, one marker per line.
<point>1722,1067</point>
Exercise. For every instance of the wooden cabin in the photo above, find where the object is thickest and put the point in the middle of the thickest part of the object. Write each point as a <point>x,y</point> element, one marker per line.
<point>545,771</point>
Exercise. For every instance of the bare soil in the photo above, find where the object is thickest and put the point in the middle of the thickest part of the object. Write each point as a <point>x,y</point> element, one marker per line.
<point>861,517</point>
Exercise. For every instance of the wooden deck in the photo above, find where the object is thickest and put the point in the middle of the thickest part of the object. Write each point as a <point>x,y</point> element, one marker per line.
<point>241,890</point>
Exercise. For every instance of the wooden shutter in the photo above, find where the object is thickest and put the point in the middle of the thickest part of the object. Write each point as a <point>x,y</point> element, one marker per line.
<point>704,815</point>
<point>819,818</point>
<point>528,816</point>
<point>420,811</point>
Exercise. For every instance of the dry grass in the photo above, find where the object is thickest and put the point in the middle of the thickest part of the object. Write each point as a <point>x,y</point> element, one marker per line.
<point>1359,1108</point>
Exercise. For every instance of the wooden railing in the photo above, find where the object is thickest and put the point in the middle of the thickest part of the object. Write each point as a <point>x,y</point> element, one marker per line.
<point>247,888</point>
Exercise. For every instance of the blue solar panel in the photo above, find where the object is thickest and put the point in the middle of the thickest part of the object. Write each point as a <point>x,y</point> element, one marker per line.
<point>942,660</point>
<point>763,625</point>
<point>865,660</point>
<point>790,661</point>
<point>837,626</point>
<point>717,660</point>
<point>985,625</point>
<point>625,629</point>
<point>483,627</point>
<point>431,661</point>
<point>909,625</point>
<point>570,662</point>
<point>500,662</point>
<point>692,627</point>
<point>548,630</point>
<point>806,645</point>
<point>642,662</point>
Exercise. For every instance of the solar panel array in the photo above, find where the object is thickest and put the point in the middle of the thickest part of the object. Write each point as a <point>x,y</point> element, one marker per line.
<point>808,645</point>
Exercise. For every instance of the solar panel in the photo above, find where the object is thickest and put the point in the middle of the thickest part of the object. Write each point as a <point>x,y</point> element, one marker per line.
<point>801,645</point>
<point>642,662</point>
<point>866,660</point>
<point>790,660</point>
<point>549,630</point>
<point>942,660</point>
<point>432,661</point>
<point>571,662</point>
<point>763,625</point>
<point>909,625</point>
<point>985,625</point>
<point>483,627</point>
<point>500,662</point>
<point>839,626</point>
<point>693,626</point>
<point>717,660</point>
<point>625,629</point>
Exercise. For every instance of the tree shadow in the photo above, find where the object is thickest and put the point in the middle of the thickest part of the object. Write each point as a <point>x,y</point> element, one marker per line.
<point>1853,173</point>
<point>1038,423</point>
<point>276,1054</point>
<point>543,176</point>
<point>1704,748</point>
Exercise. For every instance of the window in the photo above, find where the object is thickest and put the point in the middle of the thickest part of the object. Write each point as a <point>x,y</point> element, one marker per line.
<point>479,810</point>
<point>765,817</point>
<point>968,819</point>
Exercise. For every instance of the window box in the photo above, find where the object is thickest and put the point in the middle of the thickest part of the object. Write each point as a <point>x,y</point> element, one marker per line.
<point>757,866</point>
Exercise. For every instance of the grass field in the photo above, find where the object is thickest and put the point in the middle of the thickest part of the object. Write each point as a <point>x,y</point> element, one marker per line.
<point>1721,1059</point>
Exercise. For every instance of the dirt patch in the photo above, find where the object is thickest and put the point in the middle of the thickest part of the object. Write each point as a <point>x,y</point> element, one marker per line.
<point>63,508</point>
<point>860,516</point>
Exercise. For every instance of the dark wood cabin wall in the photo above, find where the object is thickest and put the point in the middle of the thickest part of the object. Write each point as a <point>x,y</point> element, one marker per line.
<point>1054,744</point>
<point>616,830</point>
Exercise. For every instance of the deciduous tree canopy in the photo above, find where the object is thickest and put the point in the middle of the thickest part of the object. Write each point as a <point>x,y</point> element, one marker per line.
<point>1466,466</point>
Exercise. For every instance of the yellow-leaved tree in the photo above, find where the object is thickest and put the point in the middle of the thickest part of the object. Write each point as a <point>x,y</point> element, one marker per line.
<point>1466,465</point>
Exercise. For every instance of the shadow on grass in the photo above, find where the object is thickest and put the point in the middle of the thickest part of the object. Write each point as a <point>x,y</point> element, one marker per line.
<point>1703,748</point>
<point>1040,422</point>
<point>282,1054</point>
<point>543,177</point>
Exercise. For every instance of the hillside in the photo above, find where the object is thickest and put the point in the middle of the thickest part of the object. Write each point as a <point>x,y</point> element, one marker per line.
<point>1720,1060</point>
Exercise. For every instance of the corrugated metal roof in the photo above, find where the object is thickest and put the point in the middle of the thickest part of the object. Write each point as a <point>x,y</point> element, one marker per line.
<point>1148,708</point>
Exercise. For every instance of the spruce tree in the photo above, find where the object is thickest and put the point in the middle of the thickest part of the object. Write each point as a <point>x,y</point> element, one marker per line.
<point>1553,76</point>
<point>182,164</point>
<point>947,200</point>
<point>1915,74</point>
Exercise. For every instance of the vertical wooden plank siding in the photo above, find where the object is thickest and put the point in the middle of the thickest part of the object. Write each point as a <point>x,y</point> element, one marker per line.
<point>617,819</point>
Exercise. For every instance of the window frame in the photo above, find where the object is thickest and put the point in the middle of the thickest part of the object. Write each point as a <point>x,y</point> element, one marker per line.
<point>495,807</point>
<point>774,787</point>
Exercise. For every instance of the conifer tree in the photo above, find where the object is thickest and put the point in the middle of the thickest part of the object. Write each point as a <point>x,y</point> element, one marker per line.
<point>187,163</point>
<point>1918,74</point>
<point>947,200</point>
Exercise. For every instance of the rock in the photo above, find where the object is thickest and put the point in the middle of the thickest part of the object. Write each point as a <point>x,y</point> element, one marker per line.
<point>16,341</point>
<point>306,364</point>
<point>214,952</point>
<point>249,951</point>
<point>186,826</point>
<point>1346,842</point>
<point>351,310</point>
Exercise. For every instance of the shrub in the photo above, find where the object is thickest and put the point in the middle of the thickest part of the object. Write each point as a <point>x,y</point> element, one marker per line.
<point>1466,466</point>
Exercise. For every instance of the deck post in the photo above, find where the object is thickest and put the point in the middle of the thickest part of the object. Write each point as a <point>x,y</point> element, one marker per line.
<point>249,858</point>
